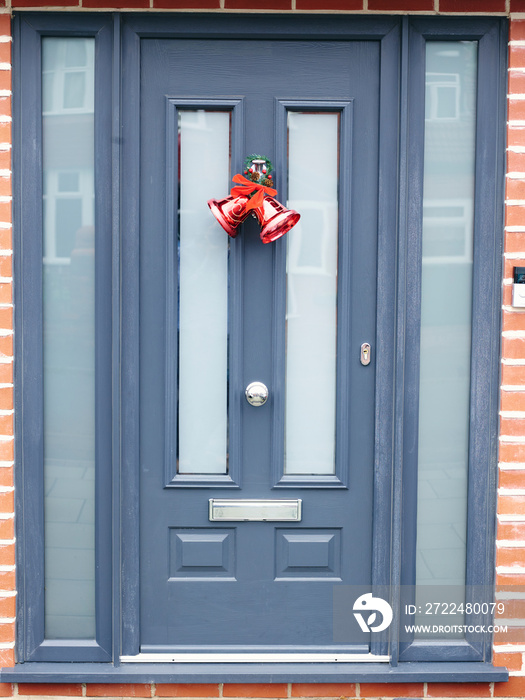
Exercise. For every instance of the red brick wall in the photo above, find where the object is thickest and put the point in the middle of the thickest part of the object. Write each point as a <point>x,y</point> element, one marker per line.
<point>511,493</point>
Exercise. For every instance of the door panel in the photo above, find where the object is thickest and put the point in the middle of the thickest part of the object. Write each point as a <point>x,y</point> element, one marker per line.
<point>268,584</point>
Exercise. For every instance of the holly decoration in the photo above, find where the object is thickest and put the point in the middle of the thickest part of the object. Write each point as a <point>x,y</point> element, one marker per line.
<point>264,176</point>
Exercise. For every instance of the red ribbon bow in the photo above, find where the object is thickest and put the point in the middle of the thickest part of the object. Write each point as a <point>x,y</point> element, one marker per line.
<point>247,187</point>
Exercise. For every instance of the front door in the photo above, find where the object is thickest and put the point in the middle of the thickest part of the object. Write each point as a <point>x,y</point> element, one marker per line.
<point>217,313</point>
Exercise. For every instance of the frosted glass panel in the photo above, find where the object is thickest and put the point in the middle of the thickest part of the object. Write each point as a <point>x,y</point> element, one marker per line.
<point>69,337</point>
<point>446,301</point>
<point>203,294</point>
<point>311,301</point>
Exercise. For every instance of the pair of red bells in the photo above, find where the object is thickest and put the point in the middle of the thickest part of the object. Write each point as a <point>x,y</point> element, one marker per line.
<point>275,220</point>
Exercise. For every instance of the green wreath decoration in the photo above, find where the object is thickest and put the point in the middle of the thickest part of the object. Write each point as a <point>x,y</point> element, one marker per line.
<point>253,175</point>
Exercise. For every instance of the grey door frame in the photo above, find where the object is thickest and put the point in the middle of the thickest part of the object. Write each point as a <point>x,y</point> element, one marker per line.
<point>400,190</point>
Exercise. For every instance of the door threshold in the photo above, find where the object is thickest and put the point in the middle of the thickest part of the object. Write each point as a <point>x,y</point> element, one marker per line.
<point>254,658</point>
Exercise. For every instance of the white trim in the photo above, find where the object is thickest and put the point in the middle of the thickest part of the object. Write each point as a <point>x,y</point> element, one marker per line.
<point>254,658</point>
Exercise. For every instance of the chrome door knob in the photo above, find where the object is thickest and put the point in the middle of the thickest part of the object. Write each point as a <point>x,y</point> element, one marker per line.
<point>256,393</point>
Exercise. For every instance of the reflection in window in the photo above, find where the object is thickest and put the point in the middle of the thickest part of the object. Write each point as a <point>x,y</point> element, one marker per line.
<point>69,337</point>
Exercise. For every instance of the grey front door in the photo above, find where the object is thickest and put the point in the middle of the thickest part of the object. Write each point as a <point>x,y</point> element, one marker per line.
<point>217,314</point>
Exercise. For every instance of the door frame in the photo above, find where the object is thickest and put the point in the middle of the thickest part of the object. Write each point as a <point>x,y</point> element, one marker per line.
<point>396,462</point>
<point>385,30</point>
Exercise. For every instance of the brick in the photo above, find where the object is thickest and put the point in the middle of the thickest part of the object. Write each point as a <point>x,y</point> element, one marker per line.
<point>6,425</point>
<point>509,452</point>
<point>516,110</point>
<point>507,294</point>
<point>6,189</point>
<point>6,689</point>
<point>391,690</point>
<point>516,84</point>
<point>74,689</point>
<point>6,295</point>
<point>458,690</point>
<point>8,606</point>
<point>7,454</point>
<point>44,3</point>
<point>187,690</point>
<point>6,476</point>
<point>7,502</point>
<point>5,52</point>
<point>6,239</point>
<point>511,505</point>
<point>7,529</point>
<point>512,427</point>
<point>511,531</point>
<point>6,316</point>
<point>329,5</point>
<point>187,4</point>
<point>5,106</point>
<point>515,189</point>
<point>512,661</point>
<point>516,161</point>
<point>515,240</point>
<point>401,5</point>
<point>6,268</point>
<point>116,4</point>
<point>255,690</point>
<point>5,131</point>
<point>7,659</point>
<point>5,25</point>
<point>131,690</point>
<point>258,4</point>
<point>513,321</point>
<point>515,135</point>
<point>7,583</point>
<point>512,480</point>
<point>324,690</point>
<point>5,156</point>
<point>513,374</point>
<point>5,212</point>
<point>512,635</point>
<point>472,5</point>
<point>510,556</point>
<point>7,632</point>
<point>6,345</point>
<point>516,56</point>
<point>5,80</point>
<point>6,372</point>
<point>517,30</point>
<point>7,557</point>
<point>513,349</point>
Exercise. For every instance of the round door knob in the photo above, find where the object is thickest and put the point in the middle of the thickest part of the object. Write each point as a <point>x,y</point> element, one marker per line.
<point>256,393</point>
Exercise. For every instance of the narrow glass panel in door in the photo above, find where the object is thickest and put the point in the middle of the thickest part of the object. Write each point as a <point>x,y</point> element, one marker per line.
<point>311,299</point>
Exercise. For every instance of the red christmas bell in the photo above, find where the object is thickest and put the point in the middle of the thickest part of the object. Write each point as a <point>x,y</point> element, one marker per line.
<point>275,219</point>
<point>230,212</point>
<point>254,194</point>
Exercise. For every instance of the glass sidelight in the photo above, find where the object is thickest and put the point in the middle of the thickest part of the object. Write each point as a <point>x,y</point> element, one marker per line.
<point>68,280</point>
<point>446,319</point>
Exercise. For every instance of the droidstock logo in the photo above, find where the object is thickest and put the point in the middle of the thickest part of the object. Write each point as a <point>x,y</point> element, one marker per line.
<point>368,603</point>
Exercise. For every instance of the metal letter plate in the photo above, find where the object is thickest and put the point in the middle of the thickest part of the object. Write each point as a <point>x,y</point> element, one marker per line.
<point>254,509</point>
